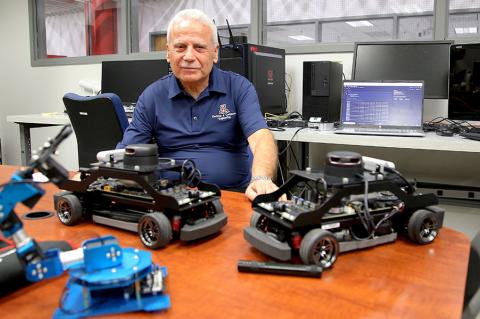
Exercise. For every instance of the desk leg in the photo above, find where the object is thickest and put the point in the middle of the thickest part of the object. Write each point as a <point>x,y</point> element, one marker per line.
<point>305,155</point>
<point>25,144</point>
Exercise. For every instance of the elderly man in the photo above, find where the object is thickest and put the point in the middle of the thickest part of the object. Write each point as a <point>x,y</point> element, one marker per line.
<point>205,114</point>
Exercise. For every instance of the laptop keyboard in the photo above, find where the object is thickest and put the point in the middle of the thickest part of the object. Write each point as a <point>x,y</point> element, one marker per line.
<point>382,131</point>
<point>385,130</point>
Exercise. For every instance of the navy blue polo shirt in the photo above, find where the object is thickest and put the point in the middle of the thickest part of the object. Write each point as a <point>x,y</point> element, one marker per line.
<point>211,130</point>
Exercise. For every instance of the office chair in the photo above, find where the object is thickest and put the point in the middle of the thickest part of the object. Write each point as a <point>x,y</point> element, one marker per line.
<point>98,122</point>
<point>471,306</point>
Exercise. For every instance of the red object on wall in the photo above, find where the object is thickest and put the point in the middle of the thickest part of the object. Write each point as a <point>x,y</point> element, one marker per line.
<point>101,27</point>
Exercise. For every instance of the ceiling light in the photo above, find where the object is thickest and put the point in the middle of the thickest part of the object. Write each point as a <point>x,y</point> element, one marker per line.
<point>300,37</point>
<point>466,30</point>
<point>360,23</point>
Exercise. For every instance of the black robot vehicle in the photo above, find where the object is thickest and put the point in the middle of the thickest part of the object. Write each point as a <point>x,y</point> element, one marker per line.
<point>135,190</point>
<point>354,203</point>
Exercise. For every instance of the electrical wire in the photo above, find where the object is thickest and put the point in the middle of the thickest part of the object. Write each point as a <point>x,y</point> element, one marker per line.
<point>366,210</point>
<point>394,171</point>
<point>325,186</point>
<point>190,174</point>
<point>305,185</point>
<point>442,123</point>
<point>294,115</point>
<point>281,172</point>
<point>271,116</point>
<point>290,141</point>
<point>395,210</point>
<point>288,87</point>
<point>292,153</point>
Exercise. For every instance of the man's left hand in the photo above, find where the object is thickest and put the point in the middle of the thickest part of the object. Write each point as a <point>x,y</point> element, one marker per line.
<point>259,187</point>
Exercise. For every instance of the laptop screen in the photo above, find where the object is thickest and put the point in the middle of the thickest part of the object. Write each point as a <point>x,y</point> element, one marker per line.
<point>382,104</point>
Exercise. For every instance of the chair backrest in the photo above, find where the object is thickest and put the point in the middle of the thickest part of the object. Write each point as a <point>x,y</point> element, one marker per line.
<point>98,122</point>
<point>472,289</point>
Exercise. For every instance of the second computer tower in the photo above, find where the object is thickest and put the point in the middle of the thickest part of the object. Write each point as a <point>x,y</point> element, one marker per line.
<point>264,67</point>
<point>322,90</point>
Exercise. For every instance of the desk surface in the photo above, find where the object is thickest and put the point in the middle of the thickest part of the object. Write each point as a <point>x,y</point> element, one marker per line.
<point>431,141</point>
<point>53,118</point>
<point>399,280</point>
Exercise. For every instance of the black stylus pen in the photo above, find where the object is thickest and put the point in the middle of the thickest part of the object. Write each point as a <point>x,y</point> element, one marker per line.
<point>271,267</point>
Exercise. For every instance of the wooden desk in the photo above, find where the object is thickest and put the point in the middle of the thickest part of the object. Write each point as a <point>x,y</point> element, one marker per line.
<point>399,280</point>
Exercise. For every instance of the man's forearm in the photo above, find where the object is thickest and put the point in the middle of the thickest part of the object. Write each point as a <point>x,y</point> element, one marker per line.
<point>264,151</point>
<point>265,156</point>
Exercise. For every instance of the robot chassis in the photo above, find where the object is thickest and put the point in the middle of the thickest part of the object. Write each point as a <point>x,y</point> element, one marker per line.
<point>356,202</point>
<point>134,190</point>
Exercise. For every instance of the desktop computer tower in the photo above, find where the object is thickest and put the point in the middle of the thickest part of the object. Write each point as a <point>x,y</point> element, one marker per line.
<point>322,90</point>
<point>263,66</point>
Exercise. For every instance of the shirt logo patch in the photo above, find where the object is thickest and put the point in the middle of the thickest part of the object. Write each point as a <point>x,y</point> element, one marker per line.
<point>223,113</point>
<point>223,109</point>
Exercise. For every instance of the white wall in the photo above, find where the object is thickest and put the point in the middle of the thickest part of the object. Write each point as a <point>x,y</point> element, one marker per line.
<point>25,90</point>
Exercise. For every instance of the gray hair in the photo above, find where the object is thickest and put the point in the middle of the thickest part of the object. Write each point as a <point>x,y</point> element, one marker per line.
<point>193,14</point>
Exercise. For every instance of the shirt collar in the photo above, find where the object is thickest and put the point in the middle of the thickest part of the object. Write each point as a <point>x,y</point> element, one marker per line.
<point>215,84</point>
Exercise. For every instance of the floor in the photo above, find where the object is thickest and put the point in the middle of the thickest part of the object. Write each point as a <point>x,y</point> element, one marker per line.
<point>462,216</point>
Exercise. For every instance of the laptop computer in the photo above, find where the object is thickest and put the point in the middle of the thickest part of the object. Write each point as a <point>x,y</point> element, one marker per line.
<point>382,108</point>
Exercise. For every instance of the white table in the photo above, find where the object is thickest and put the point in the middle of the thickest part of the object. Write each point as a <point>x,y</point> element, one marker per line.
<point>28,121</point>
<point>431,141</point>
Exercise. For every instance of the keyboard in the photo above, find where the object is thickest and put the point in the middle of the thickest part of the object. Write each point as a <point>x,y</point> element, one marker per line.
<point>386,130</point>
<point>471,135</point>
<point>381,131</point>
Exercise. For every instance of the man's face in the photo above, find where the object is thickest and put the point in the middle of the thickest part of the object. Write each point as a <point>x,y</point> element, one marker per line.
<point>191,52</point>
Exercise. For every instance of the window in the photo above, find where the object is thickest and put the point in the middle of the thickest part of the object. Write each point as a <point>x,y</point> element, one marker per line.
<point>357,30</point>
<point>289,34</point>
<point>149,19</point>
<point>86,31</point>
<point>69,28</point>
<point>463,19</point>
<point>415,28</point>
<point>297,22</point>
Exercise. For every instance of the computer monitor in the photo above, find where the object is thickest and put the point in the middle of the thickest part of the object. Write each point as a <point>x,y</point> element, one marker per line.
<point>129,78</point>
<point>382,104</point>
<point>405,61</point>
<point>464,92</point>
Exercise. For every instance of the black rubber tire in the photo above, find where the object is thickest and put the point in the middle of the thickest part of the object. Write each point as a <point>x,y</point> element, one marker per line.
<point>423,227</point>
<point>155,230</point>
<point>217,206</point>
<point>69,209</point>
<point>254,219</point>
<point>319,247</point>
